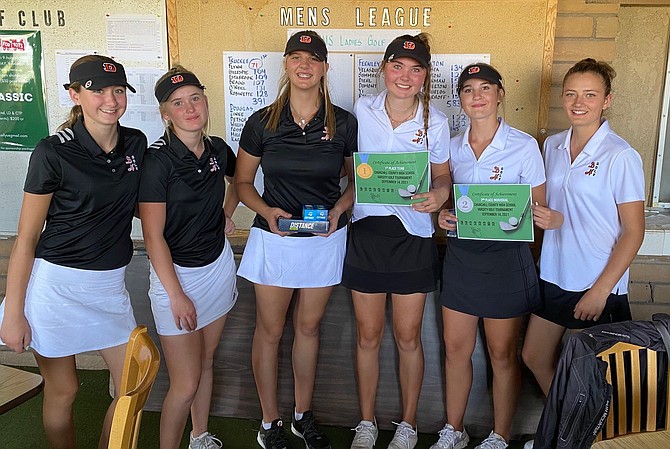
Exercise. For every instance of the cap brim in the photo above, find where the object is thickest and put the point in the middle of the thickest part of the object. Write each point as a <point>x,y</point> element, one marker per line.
<point>423,63</point>
<point>101,84</point>
<point>166,95</point>
<point>320,57</point>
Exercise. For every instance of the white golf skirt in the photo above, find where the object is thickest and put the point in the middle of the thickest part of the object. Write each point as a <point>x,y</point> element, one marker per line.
<point>212,288</point>
<point>71,310</point>
<point>293,262</point>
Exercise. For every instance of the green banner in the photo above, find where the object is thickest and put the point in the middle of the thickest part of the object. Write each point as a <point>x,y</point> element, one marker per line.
<point>391,178</point>
<point>494,212</point>
<point>23,116</point>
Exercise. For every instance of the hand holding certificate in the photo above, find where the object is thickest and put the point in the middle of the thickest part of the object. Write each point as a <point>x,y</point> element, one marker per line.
<point>494,212</point>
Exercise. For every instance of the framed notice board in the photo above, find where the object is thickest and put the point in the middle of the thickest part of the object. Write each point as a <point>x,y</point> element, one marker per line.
<point>518,35</point>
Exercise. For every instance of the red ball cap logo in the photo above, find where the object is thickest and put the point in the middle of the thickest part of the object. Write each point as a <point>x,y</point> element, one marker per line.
<point>306,39</point>
<point>473,70</point>
<point>409,45</point>
<point>109,67</point>
<point>177,79</point>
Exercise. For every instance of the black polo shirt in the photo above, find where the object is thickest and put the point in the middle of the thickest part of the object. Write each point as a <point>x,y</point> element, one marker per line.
<point>94,195</point>
<point>193,191</point>
<point>300,166</point>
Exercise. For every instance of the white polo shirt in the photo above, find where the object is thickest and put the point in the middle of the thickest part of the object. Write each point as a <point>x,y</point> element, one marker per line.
<point>376,135</point>
<point>512,157</point>
<point>606,173</point>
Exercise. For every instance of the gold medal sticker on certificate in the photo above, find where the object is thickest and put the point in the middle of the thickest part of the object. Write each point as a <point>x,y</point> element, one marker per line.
<point>364,171</point>
<point>391,178</point>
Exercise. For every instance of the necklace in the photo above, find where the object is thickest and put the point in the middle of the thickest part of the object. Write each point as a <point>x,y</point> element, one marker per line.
<point>388,105</point>
<point>300,120</point>
<point>395,123</point>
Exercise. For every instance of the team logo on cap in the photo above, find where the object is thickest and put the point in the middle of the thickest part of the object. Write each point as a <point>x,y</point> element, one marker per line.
<point>109,67</point>
<point>306,39</point>
<point>473,70</point>
<point>409,45</point>
<point>88,84</point>
<point>176,79</point>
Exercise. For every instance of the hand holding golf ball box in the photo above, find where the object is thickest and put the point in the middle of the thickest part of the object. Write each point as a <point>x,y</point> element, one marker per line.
<point>391,178</point>
<point>494,212</point>
<point>314,220</point>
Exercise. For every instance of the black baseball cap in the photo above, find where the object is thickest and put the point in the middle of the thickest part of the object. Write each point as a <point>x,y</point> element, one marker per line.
<point>309,42</point>
<point>480,71</point>
<point>410,47</point>
<point>97,74</point>
<point>171,83</point>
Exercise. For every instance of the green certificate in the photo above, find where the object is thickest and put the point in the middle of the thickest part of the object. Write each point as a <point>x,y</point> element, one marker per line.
<point>494,212</point>
<point>391,178</point>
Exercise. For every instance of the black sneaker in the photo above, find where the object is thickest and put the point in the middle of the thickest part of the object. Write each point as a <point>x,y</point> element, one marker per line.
<point>306,429</point>
<point>274,437</point>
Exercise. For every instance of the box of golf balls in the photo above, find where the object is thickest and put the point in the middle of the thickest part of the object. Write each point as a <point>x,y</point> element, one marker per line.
<point>314,212</point>
<point>297,225</point>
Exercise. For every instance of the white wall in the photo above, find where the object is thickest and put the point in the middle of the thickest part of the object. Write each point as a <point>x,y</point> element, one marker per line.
<point>13,166</point>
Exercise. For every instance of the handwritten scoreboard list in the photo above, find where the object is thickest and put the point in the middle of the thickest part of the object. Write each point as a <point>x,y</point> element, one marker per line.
<point>251,82</point>
<point>245,81</point>
<point>367,80</point>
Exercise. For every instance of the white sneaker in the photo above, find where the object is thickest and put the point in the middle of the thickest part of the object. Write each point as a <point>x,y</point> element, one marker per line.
<point>366,435</point>
<point>493,441</point>
<point>451,438</point>
<point>529,444</point>
<point>405,437</point>
<point>204,441</point>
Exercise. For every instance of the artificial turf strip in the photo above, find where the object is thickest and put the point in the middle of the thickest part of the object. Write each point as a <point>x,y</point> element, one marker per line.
<point>21,427</point>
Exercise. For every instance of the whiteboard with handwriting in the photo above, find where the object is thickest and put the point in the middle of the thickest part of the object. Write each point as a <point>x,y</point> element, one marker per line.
<point>251,80</point>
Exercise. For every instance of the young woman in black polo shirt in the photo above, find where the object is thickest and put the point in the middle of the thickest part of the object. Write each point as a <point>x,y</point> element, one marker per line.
<point>192,268</point>
<point>65,284</point>
<point>302,141</point>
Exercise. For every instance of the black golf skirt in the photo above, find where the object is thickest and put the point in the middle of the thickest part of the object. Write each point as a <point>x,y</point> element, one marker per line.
<point>558,306</point>
<point>382,257</point>
<point>489,279</point>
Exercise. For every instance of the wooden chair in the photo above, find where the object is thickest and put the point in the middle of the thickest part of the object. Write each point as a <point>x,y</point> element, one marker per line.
<point>633,394</point>
<point>139,372</point>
